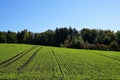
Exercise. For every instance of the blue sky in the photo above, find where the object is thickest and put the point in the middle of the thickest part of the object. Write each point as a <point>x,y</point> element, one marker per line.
<point>40,15</point>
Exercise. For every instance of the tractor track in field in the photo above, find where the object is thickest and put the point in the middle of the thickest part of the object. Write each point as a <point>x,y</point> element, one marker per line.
<point>16,57</point>
<point>42,68</point>
<point>58,62</point>
<point>69,67</point>
<point>109,57</point>
<point>28,61</point>
<point>77,69</point>
<point>3,62</point>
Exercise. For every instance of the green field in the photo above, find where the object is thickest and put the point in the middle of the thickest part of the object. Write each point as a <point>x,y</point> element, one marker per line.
<point>32,62</point>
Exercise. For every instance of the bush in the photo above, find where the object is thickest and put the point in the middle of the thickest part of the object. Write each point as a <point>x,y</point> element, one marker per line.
<point>101,47</point>
<point>92,46</point>
<point>114,46</point>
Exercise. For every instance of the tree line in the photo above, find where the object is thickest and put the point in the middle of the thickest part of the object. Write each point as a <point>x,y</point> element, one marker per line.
<point>66,37</point>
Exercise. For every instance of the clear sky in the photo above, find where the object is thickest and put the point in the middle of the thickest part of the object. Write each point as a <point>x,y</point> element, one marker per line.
<point>40,15</point>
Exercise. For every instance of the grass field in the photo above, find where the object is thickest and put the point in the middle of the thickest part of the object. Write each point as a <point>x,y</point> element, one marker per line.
<point>31,62</point>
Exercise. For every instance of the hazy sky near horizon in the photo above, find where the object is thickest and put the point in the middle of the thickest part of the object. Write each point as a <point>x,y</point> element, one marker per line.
<point>40,15</point>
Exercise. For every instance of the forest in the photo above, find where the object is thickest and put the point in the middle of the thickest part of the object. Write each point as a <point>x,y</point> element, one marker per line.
<point>85,38</point>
